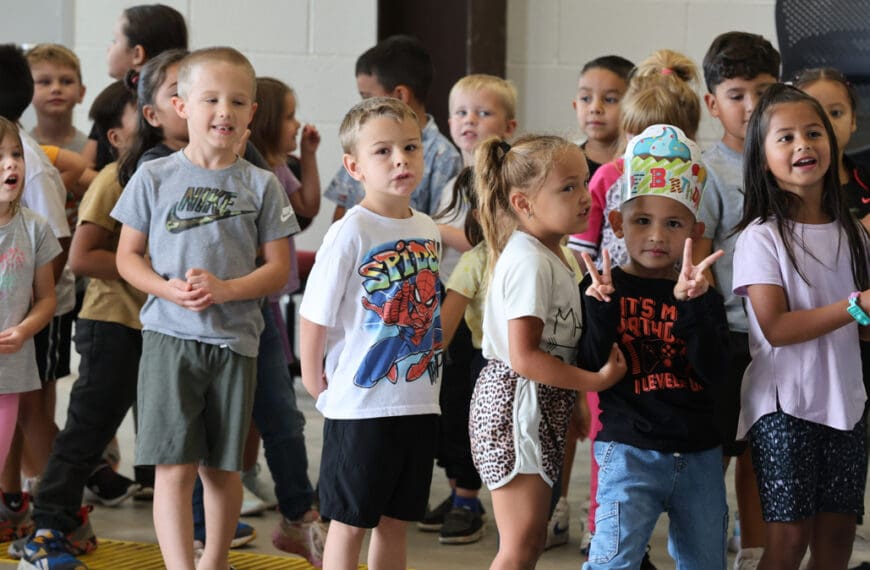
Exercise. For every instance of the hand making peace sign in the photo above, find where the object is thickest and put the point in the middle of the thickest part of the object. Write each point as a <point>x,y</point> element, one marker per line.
<point>602,284</point>
<point>691,282</point>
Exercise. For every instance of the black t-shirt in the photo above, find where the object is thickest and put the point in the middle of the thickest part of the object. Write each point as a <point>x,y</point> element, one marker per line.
<point>857,189</point>
<point>677,354</point>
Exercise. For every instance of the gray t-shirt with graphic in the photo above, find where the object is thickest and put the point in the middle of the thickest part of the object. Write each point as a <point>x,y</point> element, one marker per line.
<point>721,210</point>
<point>209,219</point>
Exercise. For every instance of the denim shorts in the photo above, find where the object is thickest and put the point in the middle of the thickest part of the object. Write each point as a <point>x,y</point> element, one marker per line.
<point>804,468</point>
<point>635,486</point>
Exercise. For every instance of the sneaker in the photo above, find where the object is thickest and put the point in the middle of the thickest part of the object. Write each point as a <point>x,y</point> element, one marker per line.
<point>434,519</point>
<point>50,551</point>
<point>646,563</point>
<point>245,533</point>
<point>748,558</point>
<point>462,526</point>
<point>262,491</point>
<point>82,540</point>
<point>304,536</point>
<point>107,487</point>
<point>585,542</point>
<point>557,527</point>
<point>15,524</point>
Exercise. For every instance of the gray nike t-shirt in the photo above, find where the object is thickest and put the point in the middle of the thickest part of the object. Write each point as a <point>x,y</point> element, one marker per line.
<point>208,219</point>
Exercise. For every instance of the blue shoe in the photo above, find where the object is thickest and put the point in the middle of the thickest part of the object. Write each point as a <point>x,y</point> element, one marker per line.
<point>245,533</point>
<point>51,551</point>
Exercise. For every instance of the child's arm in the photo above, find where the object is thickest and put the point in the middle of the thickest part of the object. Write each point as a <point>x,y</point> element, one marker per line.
<point>452,311</point>
<point>40,314</point>
<point>89,253</point>
<point>454,237</point>
<point>306,202</point>
<point>312,345</point>
<point>135,268</point>
<point>266,279</point>
<point>71,166</point>
<point>527,359</point>
<point>783,327</point>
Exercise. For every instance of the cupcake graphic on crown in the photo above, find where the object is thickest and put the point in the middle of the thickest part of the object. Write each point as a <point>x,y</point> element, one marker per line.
<point>663,161</point>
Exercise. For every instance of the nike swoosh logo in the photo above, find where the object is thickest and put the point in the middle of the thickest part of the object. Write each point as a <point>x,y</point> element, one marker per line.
<point>559,530</point>
<point>176,225</point>
<point>286,213</point>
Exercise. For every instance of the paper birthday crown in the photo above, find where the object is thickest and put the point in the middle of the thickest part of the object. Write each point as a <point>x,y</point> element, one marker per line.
<point>663,161</point>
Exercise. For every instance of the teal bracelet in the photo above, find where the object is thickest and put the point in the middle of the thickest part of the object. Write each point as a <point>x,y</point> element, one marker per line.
<point>856,311</point>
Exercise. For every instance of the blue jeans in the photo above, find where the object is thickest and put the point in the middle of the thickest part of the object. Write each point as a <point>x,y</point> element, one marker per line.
<point>635,486</point>
<point>281,424</point>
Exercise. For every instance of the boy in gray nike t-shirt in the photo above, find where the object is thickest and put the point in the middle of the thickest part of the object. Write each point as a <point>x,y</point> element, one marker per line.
<point>214,227</point>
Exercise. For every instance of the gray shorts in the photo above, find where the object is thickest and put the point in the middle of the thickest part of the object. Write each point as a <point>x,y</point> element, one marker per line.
<point>195,401</point>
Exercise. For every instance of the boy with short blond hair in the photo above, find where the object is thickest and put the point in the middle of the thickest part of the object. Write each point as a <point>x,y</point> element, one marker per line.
<point>58,88</point>
<point>738,68</point>
<point>203,213</point>
<point>372,306</point>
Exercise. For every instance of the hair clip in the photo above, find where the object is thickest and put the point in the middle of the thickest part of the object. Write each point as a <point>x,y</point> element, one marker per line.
<point>667,71</point>
<point>504,147</point>
<point>131,80</point>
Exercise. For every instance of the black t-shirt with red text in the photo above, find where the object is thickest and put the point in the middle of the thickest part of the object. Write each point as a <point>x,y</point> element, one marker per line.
<point>677,355</point>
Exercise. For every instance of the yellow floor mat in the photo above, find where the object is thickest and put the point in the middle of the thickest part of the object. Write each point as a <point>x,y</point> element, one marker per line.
<point>123,555</point>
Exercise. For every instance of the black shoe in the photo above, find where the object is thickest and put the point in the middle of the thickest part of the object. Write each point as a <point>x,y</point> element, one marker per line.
<point>462,526</point>
<point>107,487</point>
<point>434,519</point>
<point>646,563</point>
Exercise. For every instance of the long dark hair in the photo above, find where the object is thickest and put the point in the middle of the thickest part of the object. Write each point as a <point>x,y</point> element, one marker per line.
<point>147,83</point>
<point>155,27</point>
<point>464,198</point>
<point>764,199</point>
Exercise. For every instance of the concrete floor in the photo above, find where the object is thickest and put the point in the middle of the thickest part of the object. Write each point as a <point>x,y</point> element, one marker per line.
<point>132,520</point>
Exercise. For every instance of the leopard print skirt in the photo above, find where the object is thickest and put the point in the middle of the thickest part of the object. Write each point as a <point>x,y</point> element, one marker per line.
<point>517,426</point>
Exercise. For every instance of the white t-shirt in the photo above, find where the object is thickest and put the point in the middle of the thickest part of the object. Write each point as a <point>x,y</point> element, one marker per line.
<point>530,280</point>
<point>45,194</point>
<point>374,286</point>
<point>819,380</point>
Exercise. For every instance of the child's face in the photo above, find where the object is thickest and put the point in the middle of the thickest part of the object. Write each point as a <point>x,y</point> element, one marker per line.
<point>388,157</point>
<point>290,124</point>
<point>796,148</point>
<point>11,171</point>
<point>56,89</point>
<point>122,137</point>
<point>476,116</point>
<point>835,101</point>
<point>655,229</point>
<point>732,103</point>
<point>369,86</point>
<point>561,205</point>
<point>599,92</point>
<point>162,113</point>
<point>219,105</point>
<point>120,56</point>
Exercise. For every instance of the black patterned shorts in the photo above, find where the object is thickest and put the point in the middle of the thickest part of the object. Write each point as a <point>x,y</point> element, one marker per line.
<point>804,468</point>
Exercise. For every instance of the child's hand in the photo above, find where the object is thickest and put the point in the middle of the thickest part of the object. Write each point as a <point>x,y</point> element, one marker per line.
<point>183,294</point>
<point>613,370</point>
<point>691,283</point>
<point>581,417</point>
<point>242,143</point>
<point>310,139</point>
<point>215,289</point>
<point>11,340</point>
<point>602,284</point>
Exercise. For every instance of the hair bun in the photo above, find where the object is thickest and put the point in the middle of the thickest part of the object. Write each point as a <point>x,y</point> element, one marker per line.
<point>131,80</point>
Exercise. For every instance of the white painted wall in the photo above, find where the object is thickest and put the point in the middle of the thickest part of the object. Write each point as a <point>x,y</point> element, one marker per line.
<point>313,44</point>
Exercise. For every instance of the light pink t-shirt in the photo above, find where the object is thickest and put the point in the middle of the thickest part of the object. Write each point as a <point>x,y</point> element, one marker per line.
<point>819,380</point>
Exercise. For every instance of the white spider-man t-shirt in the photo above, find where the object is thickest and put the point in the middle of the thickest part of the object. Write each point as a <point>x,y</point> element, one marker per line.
<point>375,287</point>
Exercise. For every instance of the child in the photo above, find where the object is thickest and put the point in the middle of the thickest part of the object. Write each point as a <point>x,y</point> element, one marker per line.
<point>738,68</point>
<point>658,448</point>
<point>600,89</point>
<point>44,194</point>
<point>109,342</point>
<point>531,194</point>
<point>400,67</point>
<point>837,97</point>
<point>798,259</point>
<point>27,247</point>
<point>140,33</point>
<point>57,79</point>
<point>372,304</point>
<point>202,305</point>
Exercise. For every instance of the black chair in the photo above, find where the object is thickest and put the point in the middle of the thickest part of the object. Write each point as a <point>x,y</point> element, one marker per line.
<point>829,33</point>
